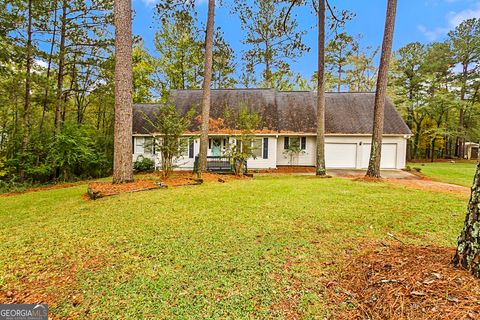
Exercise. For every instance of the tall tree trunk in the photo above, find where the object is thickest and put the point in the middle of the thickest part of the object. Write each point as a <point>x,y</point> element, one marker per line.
<point>410,126</point>
<point>207,81</point>
<point>432,152</point>
<point>122,155</point>
<point>26,107</point>
<point>468,249</point>
<point>49,68</point>
<point>61,64</point>
<point>320,156</point>
<point>460,143</point>
<point>381,91</point>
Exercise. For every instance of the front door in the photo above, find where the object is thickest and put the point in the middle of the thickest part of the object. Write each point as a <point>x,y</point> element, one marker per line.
<point>216,147</point>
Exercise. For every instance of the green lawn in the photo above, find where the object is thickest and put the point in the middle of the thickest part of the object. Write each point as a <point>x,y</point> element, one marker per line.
<point>238,250</point>
<point>460,173</point>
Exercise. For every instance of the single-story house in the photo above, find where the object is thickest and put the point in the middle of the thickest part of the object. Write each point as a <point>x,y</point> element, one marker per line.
<point>471,150</point>
<point>286,118</point>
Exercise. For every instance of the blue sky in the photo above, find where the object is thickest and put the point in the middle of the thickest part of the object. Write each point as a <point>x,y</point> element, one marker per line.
<point>417,20</point>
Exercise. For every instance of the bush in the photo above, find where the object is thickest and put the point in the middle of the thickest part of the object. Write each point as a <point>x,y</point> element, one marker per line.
<point>74,154</point>
<point>3,167</point>
<point>12,186</point>
<point>143,164</point>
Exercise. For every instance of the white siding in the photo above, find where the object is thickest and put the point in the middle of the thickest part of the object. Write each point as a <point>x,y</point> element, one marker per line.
<point>346,151</point>
<point>270,162</point>
<point>186,163</point>
<point>340,152</point>
<point>305,158</point>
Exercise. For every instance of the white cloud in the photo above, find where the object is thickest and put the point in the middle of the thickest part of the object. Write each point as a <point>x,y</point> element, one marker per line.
<point>40,63</point>
<point>150,3</point>
<point>434,34</point>
<point>453,19</point>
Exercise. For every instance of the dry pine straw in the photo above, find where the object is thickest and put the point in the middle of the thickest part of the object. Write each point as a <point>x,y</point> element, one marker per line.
<point>147,182</point>
<point>404,282</point>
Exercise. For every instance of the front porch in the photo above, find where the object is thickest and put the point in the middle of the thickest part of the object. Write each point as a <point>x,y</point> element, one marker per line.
<point>219,164</point>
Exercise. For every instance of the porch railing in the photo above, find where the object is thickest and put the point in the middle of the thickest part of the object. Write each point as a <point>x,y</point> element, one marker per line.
<point>218,164</point>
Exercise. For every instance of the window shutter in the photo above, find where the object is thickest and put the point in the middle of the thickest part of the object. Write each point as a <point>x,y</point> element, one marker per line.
<point>133,145</point>
<point>190,149</point>
<point>265,148</point>
<point>303,143</point>
<point>209,143</point>
<point>286,142</point>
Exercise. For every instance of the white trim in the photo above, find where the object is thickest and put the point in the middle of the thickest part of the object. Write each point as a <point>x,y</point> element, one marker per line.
<point>405,136</point>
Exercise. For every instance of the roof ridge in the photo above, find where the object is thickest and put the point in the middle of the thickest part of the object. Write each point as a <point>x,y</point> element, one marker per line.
<point>225,89</point>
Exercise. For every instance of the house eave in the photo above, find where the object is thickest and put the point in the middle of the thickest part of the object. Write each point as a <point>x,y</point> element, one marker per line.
<point>277,134</point>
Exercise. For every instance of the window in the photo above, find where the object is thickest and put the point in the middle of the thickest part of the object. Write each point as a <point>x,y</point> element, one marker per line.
<point>295,142</point>
<point>138,146</point>
<point>186,145</point>
<point>303,143</point>
<point>257,145</point>
<point>148,145</point>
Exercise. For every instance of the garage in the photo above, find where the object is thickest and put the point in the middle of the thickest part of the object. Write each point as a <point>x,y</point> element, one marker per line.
<point>389,155</point>
<point>341,155</point>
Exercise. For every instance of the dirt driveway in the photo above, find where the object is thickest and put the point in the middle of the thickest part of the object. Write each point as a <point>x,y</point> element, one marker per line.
<point>407,179</point>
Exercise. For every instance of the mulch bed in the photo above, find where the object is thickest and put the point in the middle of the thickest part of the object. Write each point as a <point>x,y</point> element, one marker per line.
<point>97,190</point>
<point>404,282</point>
<point>154,181</point>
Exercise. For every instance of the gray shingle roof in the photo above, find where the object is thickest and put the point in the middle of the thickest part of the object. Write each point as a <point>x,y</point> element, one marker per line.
<point>292,111</point>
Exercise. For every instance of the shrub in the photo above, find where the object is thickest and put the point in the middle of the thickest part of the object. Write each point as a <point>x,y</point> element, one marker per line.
<point>3,167</point>
<point>143,164</point>
<point>75,154</point>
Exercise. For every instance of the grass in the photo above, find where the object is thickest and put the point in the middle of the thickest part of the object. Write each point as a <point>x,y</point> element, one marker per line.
<point>460,173</point>
<point>245,249</point>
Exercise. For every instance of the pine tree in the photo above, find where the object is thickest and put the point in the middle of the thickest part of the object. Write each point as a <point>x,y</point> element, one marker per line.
<point>207,82</point>
<point>467,255</point>
<point>381,91</point>
<point>122,159</point>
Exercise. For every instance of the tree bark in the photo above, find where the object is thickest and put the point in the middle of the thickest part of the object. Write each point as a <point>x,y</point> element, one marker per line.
<point>381,91</point>
<point>460,141</point>
<point>320,156</point>
<point>61,64</point>
<point>468,249</point>
<point>26,107</point>
<point>49,68</point>
<point>122,155</point>
<point>207,82</point>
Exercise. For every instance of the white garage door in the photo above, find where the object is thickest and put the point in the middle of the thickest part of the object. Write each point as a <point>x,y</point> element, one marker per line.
<point>340,155</point>
<point>389,155</point>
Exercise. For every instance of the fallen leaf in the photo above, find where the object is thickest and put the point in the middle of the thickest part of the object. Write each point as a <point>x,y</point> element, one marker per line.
<point>452,299</point>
